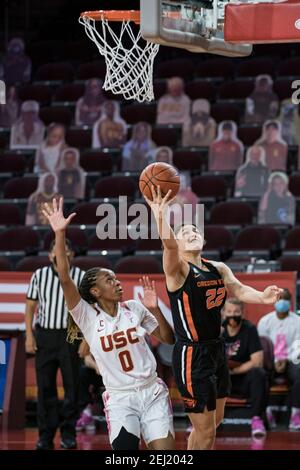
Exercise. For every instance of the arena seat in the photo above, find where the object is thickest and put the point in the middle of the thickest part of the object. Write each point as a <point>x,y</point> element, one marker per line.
<point>138,265</point>
<point>294,184</point>
<point>91,70</point>
<point>193,160</point>
<point>180,67</point>
<point>97,161</point>
<point>5,264</point>
<point>289,67</point>
<point>201,89</point>
<point>139,112</point>
<point>33,91</point>
<point>209,186</point>
<point>77,237</point>
<point>283,87</point>
<point>125,246</point>
<point>166,135</point>
<point>88,262</point>
<point>115,186</point>
<point>60,114</point>
<point>62,71</point>
<point>292,242</point>
<point>19,239</point>
<point>232,213</point>
<point>215,68</point>
<point>10,214</point>
<point>12,163</point>
<point>19,188</point>
<point>69,92</point>
<point>249,134</point>
<point>32,263</point>
<point>225,112</point>
<point>79,138</point>
<point>254,67</point>
<point>217,239</point>
<point>85,213</point>
<point>259,239</point>
<point>236,90</point>
<point>290,263</point>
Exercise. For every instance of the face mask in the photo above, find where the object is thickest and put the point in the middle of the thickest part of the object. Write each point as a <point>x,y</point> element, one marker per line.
<point>237,320</point>
<point>282,306</point>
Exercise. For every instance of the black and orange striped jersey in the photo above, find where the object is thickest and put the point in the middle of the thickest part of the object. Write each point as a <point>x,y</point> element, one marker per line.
<point>196,306</point>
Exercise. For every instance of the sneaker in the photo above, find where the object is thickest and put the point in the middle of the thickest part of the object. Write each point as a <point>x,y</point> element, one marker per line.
<point>270,419</point>
<point>85,422</point>
<point>68,443</point>
<point>257,427</point>
<point>295,421</point>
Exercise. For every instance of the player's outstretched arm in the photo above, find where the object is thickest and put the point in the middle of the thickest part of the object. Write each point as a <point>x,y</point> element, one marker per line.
<point>246,293</point>
<point>59,224</point>
<point>173,264</point>
<point>163,332</point>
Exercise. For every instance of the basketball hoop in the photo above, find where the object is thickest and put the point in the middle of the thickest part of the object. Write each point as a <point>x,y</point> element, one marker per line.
<point>129,58</point>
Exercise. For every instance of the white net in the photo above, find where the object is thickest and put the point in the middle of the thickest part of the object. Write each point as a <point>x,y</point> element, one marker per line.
<point>129,58</point>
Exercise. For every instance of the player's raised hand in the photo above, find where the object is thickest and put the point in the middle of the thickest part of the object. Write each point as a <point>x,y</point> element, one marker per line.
<point>159,203</point>
<point>271,294</point>
<point>149,300</point>
<point>55,215</point>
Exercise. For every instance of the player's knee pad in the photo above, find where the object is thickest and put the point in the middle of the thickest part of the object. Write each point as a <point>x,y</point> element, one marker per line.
<point>126,441</point>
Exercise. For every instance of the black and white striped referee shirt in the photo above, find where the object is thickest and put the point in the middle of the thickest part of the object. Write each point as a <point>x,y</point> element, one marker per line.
<point>46,289</point>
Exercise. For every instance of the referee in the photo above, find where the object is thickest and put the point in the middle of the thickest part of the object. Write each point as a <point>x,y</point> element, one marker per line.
<point>53,352</point>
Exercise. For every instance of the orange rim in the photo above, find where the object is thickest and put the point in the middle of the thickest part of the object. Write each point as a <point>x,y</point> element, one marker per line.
<point>113,15</point>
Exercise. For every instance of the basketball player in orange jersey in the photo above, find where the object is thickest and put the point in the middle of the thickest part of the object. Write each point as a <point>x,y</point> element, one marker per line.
<point>136,401</point>
<point>197,290</point>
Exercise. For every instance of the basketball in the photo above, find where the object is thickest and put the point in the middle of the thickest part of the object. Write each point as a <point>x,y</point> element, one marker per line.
<point>159,174</point>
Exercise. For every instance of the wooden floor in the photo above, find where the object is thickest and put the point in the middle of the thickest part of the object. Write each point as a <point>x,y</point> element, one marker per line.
<point>275,440</point>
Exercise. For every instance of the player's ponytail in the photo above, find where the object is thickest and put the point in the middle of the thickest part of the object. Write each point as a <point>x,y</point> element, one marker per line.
<point>88,281</point>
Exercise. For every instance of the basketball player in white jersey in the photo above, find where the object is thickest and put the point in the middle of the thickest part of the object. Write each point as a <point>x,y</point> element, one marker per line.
<point>136,401</point>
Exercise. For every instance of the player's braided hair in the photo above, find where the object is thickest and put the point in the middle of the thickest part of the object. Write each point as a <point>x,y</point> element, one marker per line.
<point>88,281</point>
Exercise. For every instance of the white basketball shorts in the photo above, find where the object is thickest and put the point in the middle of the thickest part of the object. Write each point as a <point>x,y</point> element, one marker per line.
<point>145,412</point>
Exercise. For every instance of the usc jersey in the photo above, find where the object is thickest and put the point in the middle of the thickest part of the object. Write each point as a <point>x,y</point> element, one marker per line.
<point>118,343</point>
<point>196,306</point>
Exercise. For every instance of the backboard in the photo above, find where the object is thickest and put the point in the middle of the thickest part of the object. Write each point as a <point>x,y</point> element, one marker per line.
<point>195,25</point>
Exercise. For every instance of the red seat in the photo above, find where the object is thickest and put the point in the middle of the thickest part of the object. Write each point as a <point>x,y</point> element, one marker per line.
<point>137,112</point>
<point>18,188</point>
<point>166,136</point>
<point>60,114</point>
<point>55,71</point>
<point>138,265</point>
<point>79,138</point>
<point>289,67</point>
<point>69,92</point>
<point>254,67</point>
<point>217,238</point>
<point>190,159</point>
<point>257,237</point>
<point>209,186</point>
<point>112,244</point>
<point>89,70</point>
<point>97,161</point>
<point>12,163</point>
<point>236,90</point>
<point>200,89</point>
<point>290,263</point>
<point>149,244</point>
<point>85,213</point>
<point>294,184</point>
<point>293,240</point>
<point>87,262</point>
<point>19,239</point>
<point>32,263</point>
<point>180,67</point>
<point>249,134</point>
<point>5,264</point>
<point>283,88</point>
<point>77,237</point>
<point>232,213</point>
<point>225,112</point>
<point>40,93</point>
<point>160,88</point>
<point>115,186</point>
<point>218,67</point>
<point>10,214</point>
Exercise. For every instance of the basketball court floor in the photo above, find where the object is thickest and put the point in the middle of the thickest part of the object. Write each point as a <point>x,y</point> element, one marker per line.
<point>281,439</point>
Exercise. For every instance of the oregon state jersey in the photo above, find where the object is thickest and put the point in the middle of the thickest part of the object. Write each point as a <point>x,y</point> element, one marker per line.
<point>196,306</point>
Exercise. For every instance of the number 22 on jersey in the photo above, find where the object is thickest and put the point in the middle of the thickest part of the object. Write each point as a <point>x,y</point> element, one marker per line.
<point>214,297</point>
